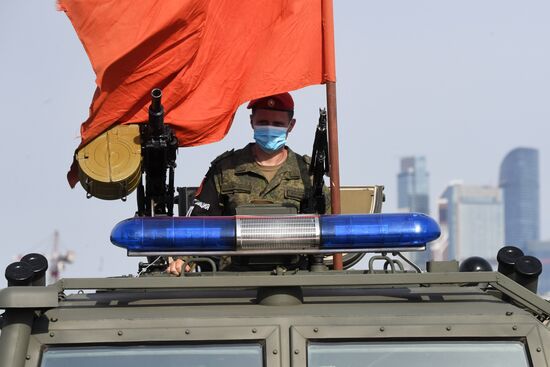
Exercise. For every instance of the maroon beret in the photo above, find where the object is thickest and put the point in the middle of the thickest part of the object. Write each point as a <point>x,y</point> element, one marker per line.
<point>279,102</point>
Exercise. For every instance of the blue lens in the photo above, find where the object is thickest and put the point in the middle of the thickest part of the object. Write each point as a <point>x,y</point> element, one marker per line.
<point>175,234</point>
<point>377,231</point>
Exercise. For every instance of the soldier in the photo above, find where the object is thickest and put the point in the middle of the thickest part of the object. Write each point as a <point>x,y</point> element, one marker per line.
<point>264,172</point>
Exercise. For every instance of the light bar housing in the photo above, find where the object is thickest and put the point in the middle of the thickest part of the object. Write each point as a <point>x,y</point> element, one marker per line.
<point>288,234</point>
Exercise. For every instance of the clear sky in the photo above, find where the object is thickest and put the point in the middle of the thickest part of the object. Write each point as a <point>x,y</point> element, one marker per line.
<point>460,82</point>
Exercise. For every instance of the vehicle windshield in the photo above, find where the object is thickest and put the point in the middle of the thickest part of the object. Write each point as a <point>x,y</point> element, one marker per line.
<point>417,354</point>
<point>227,355</point>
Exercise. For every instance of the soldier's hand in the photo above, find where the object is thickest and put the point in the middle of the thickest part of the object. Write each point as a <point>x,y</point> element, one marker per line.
<point>175,267</point>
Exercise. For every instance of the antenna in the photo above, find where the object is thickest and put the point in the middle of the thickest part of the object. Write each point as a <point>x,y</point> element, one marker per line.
<point>58,260</point>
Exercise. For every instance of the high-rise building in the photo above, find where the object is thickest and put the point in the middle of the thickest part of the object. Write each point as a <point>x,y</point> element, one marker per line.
<point>413,195</point>
<point>412,186</point>
<point>440,247</point>
<point>519,180</point>
<point>473,219</point>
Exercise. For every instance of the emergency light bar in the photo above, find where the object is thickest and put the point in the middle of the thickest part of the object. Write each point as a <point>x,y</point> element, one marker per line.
<point>246,235</point>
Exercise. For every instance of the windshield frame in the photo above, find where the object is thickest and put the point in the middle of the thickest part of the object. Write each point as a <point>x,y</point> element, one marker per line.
<point>266,336</point>
<point>151,350</point>
<point>527,334</point>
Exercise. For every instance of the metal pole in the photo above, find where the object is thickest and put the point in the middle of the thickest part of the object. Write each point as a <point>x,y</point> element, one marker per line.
<point>329,77</point>
<point>334,164</point>
<point>14,340</point>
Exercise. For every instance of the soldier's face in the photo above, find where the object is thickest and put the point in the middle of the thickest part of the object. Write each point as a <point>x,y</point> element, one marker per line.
<point>262,117</point>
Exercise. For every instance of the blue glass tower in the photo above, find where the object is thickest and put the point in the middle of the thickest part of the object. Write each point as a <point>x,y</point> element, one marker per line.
<point>519,180</point>
<point>412,186</point>
<point>413,195</point>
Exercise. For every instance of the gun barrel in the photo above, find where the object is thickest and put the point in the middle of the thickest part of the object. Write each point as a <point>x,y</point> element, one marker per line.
<point>156,95</point>
<point>156,111</point>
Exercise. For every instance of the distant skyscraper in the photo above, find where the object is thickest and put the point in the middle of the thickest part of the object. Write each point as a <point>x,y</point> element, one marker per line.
<point>473,218</point>
<point>519,180</point>
<point>413,195</point>
<point>412,186</point>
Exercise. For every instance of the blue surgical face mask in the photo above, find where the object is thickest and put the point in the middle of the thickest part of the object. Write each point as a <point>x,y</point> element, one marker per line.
<point>270,138</point>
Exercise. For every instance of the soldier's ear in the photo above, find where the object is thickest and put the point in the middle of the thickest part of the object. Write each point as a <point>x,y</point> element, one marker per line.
<point>291,125</point>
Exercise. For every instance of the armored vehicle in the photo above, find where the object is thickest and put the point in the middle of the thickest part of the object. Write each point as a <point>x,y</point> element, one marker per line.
<point>390,315</point>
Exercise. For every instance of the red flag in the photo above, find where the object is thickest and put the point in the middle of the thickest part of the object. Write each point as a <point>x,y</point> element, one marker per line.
<point>208,56</point>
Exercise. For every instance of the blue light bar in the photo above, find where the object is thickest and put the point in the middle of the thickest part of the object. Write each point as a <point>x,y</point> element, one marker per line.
<point>275,234</point>
<point>173,234</point>
<point>378,230</point>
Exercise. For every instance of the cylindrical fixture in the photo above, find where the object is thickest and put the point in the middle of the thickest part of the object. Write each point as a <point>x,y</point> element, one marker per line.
<point>526,272</point>
<point>156,111</point>
<point>506,259</point>
<point>156,95</point>
<point>15,337</point>
<point>281,233</point>
<point>334,161</point>
<point>385,230</point>
<point>168,233</point>
<point>19,274</point>
<point>39,265</point>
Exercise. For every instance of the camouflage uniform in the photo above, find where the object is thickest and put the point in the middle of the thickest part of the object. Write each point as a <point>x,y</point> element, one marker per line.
<point>235,179</point>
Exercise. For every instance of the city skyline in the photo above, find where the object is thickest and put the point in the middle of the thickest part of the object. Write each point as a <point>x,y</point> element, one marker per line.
<point>480,209</point>
<point>435,192</point>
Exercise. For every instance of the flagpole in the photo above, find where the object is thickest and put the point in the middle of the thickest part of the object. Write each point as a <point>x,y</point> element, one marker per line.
<point>334,164</point>
<point>332,123</point>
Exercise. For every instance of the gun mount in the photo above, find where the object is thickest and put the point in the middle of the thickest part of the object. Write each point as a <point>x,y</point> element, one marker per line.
<point>159,148</point>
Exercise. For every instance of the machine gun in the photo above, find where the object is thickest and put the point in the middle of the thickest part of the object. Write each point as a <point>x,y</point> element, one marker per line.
<point>159,147</point>
<point>319,167</point>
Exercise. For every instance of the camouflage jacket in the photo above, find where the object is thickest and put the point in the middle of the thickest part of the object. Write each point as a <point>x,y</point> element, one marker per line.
<point>235,179</point>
